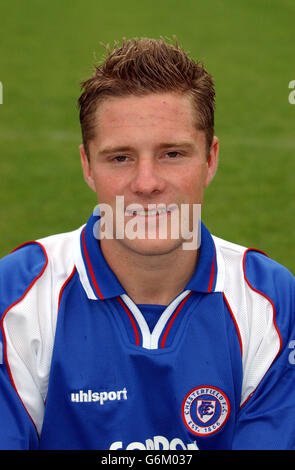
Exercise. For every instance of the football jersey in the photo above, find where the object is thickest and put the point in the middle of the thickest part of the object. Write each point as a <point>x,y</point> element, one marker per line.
<point>84,367</point>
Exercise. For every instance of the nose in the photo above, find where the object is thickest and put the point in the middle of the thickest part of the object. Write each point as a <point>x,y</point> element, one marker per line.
<point>147,179</point>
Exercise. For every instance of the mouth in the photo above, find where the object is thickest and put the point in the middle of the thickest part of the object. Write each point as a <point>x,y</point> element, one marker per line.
<point>152,210</point>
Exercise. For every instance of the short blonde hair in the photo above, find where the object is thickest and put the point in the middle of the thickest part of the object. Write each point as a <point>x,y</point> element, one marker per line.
<point>143,66</point>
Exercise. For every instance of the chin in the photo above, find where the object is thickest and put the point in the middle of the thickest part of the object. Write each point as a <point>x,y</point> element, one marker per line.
<point>153,247</point>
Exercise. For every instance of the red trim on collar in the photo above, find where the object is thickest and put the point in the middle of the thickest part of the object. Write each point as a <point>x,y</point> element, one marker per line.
<point>172,319</point>
<point>90,267</point>
<point>212,274</point>
<point>137,340</point>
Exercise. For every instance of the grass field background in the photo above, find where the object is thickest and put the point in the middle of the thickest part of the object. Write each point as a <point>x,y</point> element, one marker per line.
<point>47,48</point>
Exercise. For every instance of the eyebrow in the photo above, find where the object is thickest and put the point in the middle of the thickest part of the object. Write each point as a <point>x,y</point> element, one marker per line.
<point>108,150</point>
<point>184,144</point>
<point>162,146</point>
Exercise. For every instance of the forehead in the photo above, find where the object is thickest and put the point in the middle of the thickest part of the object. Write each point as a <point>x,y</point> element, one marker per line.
<point>166,112</point>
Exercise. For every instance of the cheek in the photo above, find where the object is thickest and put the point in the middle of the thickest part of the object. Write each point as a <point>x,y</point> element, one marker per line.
<point>192,186</point>
<point>108,187</point>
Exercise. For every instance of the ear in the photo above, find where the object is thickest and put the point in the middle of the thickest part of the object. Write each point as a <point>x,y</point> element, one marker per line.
<point>212,162</point>
<point>86,167</point>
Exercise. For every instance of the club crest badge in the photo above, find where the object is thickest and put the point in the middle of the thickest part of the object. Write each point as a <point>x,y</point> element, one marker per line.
<point>205,410</point>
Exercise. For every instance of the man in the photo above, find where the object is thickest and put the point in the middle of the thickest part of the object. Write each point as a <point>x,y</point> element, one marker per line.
<point>141,330</point>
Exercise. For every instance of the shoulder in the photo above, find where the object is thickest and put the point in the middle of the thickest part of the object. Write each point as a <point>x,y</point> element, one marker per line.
<point>49,258</point>
<point>19,270</point>
<point>276,284</point>
<point>255,269</point>
<point>260,269</point>
<point>257,279</point>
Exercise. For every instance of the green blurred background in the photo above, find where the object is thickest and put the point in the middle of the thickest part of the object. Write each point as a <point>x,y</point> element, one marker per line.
<point>47,48</point>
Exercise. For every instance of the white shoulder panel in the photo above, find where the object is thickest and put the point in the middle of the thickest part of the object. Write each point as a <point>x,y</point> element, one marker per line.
<point>29,327</point>
<point>254,316</point>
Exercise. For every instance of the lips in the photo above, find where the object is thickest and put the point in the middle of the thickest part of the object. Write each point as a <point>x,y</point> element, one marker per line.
<point>150,211</point>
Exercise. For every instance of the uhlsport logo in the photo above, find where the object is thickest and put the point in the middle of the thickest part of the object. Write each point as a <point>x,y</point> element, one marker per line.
<point>88,396</point>
<point>205,410</point>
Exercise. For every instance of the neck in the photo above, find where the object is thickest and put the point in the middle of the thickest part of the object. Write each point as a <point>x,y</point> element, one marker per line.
<point>150,279</point>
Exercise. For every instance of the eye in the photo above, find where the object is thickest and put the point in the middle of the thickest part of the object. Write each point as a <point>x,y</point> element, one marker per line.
<point>120,158</point>
<point>173,154</point>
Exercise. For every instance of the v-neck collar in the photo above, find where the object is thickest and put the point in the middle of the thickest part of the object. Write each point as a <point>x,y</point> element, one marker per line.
<point>104,283</point>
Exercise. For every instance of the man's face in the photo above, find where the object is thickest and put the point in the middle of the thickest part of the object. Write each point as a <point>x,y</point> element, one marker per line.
<point>148,150</point>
